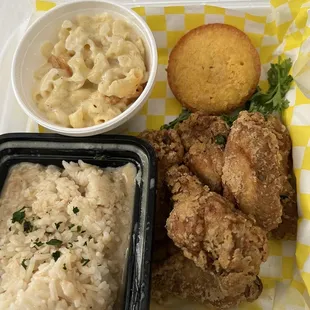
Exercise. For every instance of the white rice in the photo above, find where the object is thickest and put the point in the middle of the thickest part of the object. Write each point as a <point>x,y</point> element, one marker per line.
<point>87,274</point>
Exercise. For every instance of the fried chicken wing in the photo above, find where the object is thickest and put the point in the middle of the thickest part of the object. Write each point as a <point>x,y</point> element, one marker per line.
<point>204,138</point>
<point>284,143</point>
<point>169,151</point>
<point>179,277</point>
<point>256,163</point>
<point>209,230</point>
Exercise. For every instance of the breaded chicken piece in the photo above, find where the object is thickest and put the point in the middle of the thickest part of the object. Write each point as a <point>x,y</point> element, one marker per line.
<point>284,143</point>
<point>256,166</point>
<point>204,138</point>
<point>288,227</point>
<point>210,231</point>
<point>206,162</point>
<point>169,151</point>
<point>179,277</point>
<point>167,145</point>
<point>201,127</point>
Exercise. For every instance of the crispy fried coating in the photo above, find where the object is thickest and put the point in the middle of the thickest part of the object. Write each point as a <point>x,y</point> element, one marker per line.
<point>179,277</point>
<point>169,151</point>
<point>201,127</point>
<point>210,231</point>
<point>204,138</point>
<point>206,162</point>
<point>167,145</point>
<point>256,166</point>
<point>288,227</point>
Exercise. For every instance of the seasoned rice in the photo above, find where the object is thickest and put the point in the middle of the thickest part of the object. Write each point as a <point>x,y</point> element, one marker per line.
<point>63,235</point>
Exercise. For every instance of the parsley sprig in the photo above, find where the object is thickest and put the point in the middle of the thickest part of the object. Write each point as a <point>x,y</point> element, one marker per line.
<point>54,242</point>
<point>38,243</point>
<point>274,99</point>
<point>19,216</point>
<point>182,117</point>
<point>85,261</point>
<point>76,210</point>
<point>24,263</point>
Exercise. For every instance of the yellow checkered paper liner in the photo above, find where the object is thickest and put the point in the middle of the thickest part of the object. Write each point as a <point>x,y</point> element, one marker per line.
<point>286,274</point>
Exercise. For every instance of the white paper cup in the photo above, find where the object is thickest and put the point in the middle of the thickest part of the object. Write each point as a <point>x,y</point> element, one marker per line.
<point>28,59</point>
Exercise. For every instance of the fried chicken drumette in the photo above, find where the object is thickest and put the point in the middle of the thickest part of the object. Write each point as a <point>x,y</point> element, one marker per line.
<point>210,231</point>
<point>204,139</point>
<point>180,277</point>
<point>256,168</point>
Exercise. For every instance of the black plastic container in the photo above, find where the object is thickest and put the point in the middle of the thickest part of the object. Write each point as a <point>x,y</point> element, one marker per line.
<point>103,151</point>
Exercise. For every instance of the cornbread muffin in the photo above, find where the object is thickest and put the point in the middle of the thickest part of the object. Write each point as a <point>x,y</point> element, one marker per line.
<point>213,68</point>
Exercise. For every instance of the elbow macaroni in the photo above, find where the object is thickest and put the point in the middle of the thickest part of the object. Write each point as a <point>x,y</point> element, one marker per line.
<point>95,70</point>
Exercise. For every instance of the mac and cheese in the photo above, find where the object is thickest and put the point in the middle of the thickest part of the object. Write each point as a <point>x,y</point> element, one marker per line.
<point>95,70</point>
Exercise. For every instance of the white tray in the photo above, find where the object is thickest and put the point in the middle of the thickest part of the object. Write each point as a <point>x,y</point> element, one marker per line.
<point>12,118</point>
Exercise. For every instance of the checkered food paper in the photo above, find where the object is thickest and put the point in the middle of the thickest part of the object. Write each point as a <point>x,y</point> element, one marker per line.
<point>284,32</point>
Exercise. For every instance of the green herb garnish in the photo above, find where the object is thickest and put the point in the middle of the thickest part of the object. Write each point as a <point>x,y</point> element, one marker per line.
<point>70,244</point>
<point>220,139</point>
<point>78,229</point>
<point>28,227</point>
<point>54,242</point>
<point>279,84</point>
<point>56,255</point>
<point>75,210</point>
<point>229,119</point>
<point>84,261</point>
<point>57,225</point>
<point>64,267</point>
<point>182,117</point>
<point>274,99</point>
<point>19,216</point>
<point>38,243</point>
<point>70,226</point>
<point>24,264</point>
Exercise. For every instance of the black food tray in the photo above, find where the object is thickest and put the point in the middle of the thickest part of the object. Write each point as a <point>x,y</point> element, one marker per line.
<point>102,151</point>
